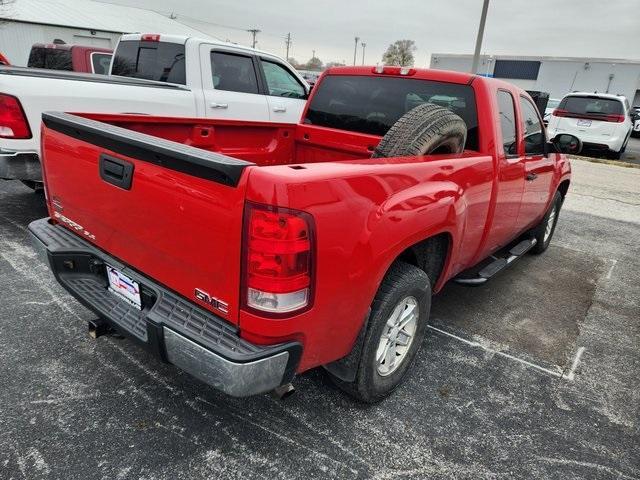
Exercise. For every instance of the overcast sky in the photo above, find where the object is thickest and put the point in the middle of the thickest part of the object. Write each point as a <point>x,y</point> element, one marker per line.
<point>584,28</point>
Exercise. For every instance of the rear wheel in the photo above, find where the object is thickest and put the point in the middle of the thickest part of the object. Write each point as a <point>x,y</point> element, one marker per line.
<point>547,227</point>
<point>396,328</point>
<point>425,129</point>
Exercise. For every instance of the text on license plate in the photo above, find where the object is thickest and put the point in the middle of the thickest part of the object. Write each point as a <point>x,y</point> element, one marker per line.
<point>124,287</point>
<point>584,123</point>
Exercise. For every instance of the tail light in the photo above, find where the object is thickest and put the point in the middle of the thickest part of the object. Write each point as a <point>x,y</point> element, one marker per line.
<point>278,254</point>
<point>150,37</point>
<point>614,118</point>
<point>559,113</point>
<point>13,122</point>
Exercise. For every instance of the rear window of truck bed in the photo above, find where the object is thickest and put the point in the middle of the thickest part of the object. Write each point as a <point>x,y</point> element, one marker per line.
<point>160,61</point>
<point>372,105</point>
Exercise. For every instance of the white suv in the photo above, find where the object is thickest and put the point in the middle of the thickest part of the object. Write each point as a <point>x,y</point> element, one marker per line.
<point>602,121</point>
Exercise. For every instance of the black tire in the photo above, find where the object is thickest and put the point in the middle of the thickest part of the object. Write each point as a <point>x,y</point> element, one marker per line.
<point>426,129</point>
<point>540,230</point>
<point>402,281</point>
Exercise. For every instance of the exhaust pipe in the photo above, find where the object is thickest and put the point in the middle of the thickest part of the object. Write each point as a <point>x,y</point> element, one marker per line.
<point>283,391</point>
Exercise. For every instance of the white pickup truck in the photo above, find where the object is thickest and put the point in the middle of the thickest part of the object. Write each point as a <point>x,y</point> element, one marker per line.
<point>154,74</point>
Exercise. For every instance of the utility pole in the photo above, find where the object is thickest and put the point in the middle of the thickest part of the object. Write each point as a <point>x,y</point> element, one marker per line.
<point>355,50</point>
<point>287,42</point>
<point>254,32</point>
<point>483,19</point>
<point>313,54</point>
<point>364,45</point>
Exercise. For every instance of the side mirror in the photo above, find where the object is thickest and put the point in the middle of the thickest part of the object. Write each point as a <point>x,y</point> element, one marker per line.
<point>566,143</point>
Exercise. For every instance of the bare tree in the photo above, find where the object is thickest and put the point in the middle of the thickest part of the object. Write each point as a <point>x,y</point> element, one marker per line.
<point>400,53</point>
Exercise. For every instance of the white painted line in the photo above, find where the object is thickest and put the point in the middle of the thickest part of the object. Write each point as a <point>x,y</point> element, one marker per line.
<point>613,264</point>
<point>576,361</point>
<point>553,373</point>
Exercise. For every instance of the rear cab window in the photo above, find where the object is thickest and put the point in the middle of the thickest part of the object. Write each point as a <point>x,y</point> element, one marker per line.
<point>50,58</point>
<point>371,105</point>
<point>150,60</point>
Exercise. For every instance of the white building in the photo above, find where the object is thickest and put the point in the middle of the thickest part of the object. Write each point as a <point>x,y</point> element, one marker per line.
<point>83,22</point>
<point>556,75</point>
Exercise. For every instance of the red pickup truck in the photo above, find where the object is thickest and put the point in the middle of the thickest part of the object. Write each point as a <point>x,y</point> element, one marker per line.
<point>248,252</point>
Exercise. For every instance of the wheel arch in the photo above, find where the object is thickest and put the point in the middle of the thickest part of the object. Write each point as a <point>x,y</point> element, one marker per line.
<point>430,255</point>
<point>563,188</point>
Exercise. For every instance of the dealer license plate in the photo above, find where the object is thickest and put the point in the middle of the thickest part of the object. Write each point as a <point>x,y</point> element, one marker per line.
<point>124,287</point>
<point>584,123</point>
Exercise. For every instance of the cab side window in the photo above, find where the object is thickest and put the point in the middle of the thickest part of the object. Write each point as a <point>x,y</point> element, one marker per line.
<point>507,122</point>
<point>280,82</point>
<point>234,73</point>
<point>534,137</point>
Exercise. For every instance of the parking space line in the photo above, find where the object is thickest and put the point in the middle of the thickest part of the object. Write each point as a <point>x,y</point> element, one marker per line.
<point>576,361</point>
<point>554,373</point>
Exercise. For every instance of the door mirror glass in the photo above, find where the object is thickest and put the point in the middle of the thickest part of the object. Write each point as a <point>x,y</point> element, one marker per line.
<point>566,143</point>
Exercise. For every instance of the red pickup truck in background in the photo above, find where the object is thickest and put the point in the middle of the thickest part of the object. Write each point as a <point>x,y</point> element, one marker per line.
<point>75,58</point>
<point>247,252</point>
<point>4,60</point>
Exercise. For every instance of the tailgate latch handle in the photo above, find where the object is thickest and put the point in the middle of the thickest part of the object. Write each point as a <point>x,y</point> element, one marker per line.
<point>116,171</point>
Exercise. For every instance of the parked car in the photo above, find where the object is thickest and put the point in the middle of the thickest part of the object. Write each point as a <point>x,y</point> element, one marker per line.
<point>552,104</point>
<point>223,246</point>
<point>635,117</point>
<point>72,58</point>
<point>4,60</point>
<point>151,74</point>
<point>600,120</point>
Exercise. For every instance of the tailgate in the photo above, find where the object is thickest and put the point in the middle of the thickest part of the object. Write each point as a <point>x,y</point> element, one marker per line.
<point>172,212</point>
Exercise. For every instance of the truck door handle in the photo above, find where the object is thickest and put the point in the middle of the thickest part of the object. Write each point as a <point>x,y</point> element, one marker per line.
<point>219,105</point>
<point>116,172</point>
<point>280,108</point>
<point>531,176</point>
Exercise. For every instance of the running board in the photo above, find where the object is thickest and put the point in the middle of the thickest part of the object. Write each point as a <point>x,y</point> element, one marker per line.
<point>498,264</point>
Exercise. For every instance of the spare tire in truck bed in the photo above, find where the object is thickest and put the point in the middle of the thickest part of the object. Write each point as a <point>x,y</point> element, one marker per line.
<point>425,129</point>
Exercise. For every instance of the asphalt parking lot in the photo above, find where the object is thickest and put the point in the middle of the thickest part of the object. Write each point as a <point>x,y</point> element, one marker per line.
<point>535,375</point>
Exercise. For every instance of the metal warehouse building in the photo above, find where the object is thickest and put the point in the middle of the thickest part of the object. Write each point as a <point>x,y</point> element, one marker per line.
<point>84,22</point>
<point>556,75</point>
